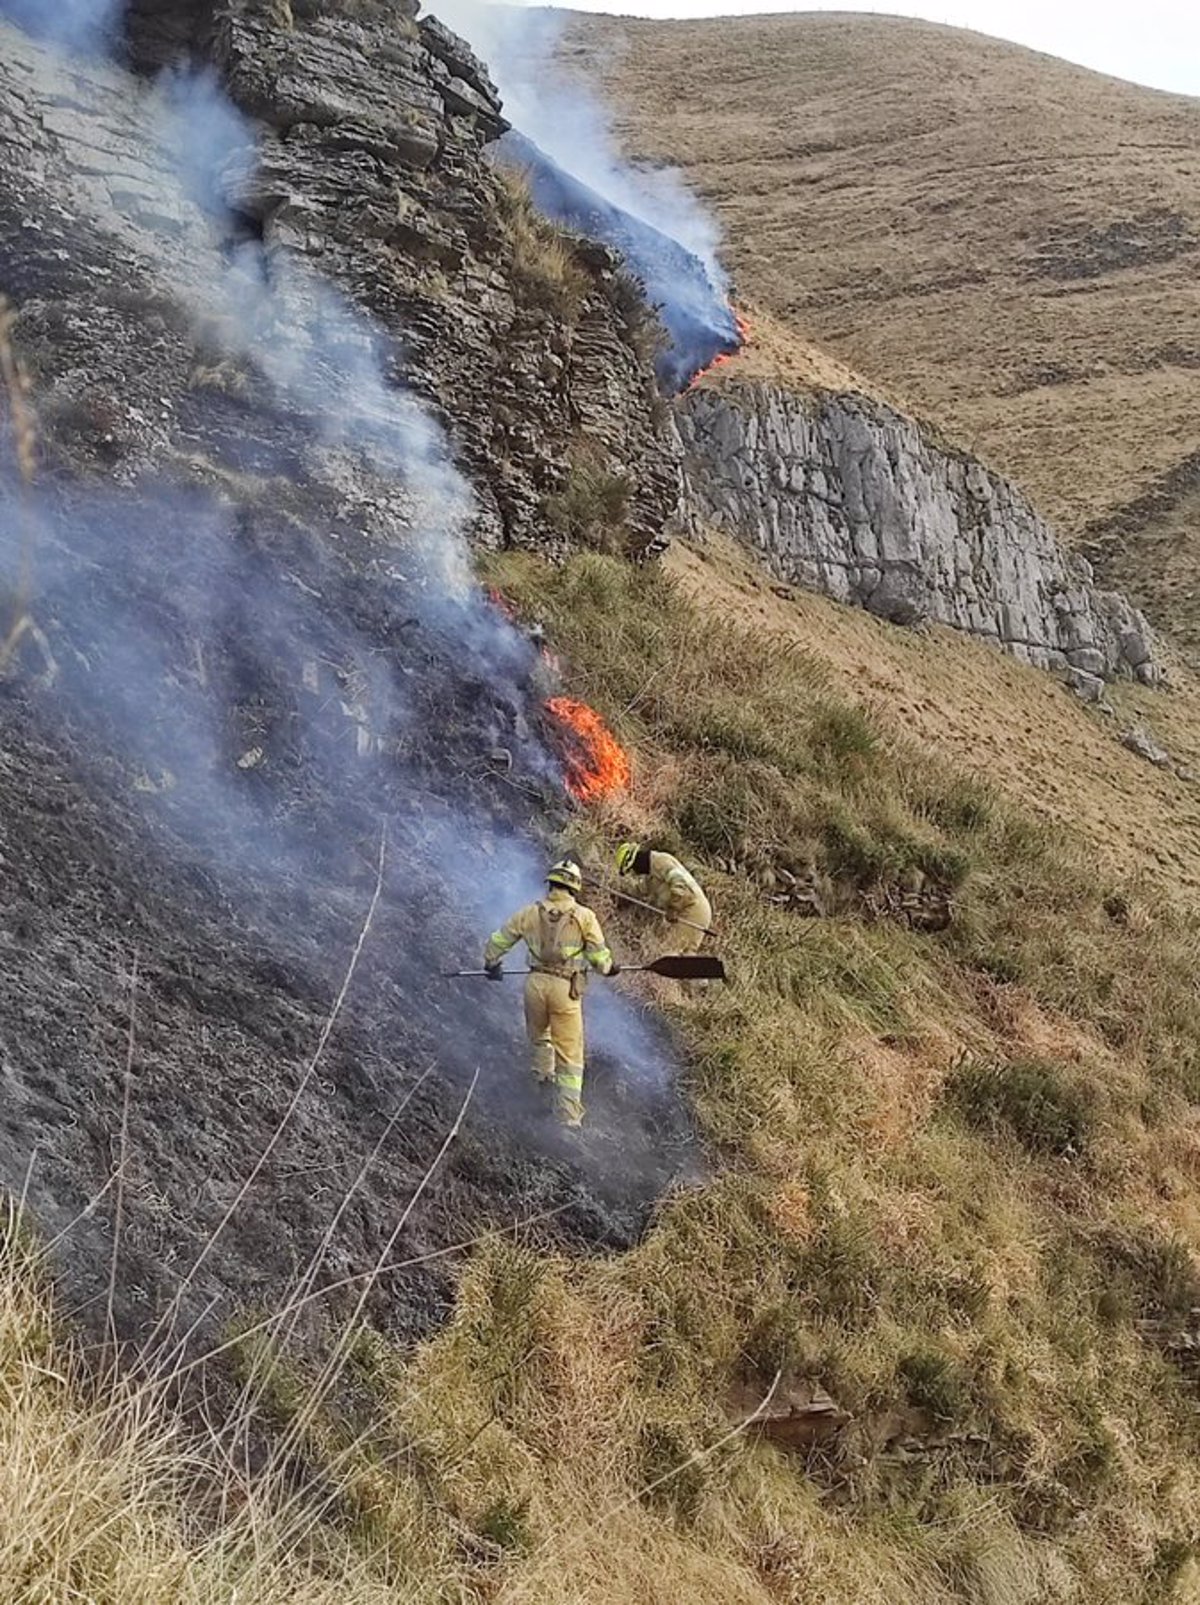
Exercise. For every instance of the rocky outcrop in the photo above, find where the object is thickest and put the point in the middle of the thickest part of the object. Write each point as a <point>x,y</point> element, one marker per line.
<point>373,171</point>
<point>370,172</point>
<point>846,497</point>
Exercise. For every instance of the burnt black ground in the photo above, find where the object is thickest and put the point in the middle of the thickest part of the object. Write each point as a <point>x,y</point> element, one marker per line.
<point>242,893</point>
<point>257,670</point>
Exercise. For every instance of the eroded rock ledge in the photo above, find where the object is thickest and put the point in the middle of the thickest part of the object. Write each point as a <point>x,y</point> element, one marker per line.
<point>847,497</point>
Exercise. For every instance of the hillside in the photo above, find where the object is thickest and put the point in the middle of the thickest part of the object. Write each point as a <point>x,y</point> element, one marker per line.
<point>952,1192</point>
<point>1005,242</point>
<point>329,467</point>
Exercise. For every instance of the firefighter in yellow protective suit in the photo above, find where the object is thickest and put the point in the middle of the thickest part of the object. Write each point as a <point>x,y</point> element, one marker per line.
<point>671,888</point>
<point>565,942</point>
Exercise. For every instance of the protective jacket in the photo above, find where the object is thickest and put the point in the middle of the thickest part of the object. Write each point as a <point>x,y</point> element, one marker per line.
<point>563,937</point>
<point>674,889</point>
<point>565,941</point>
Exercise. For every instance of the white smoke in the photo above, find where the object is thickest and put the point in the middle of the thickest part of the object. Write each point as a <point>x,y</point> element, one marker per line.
<point>330,366</point>
<point>83,25</point>
<point>572,124</point>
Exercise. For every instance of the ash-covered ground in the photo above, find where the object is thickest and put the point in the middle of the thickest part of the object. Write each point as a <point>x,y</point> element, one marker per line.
<point>256,654</point>
<point>242,716</point>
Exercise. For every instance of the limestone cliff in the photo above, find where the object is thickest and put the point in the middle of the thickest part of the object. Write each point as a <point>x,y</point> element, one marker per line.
<point>845,496</point>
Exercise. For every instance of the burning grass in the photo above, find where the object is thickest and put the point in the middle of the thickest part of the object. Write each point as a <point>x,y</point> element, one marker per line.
<point>597,765</point>
<point>989,1269</point>
<point>722,357</point>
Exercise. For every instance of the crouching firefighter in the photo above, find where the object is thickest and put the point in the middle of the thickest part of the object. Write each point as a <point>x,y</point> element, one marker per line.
<point>565,943</point>
<point>673,890</point>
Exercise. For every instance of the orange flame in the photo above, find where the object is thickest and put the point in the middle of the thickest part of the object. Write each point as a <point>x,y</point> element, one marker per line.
<point>722,357</point>
<point>498,599</point>
<point>597,764</point>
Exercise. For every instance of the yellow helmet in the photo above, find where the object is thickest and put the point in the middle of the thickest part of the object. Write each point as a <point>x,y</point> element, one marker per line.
<point>626,853</point>
<point>567,875</point>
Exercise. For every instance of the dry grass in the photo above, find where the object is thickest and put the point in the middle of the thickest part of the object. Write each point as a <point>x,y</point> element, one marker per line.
<point>103,1497</point>
<point>1012,727</point>
<point>544,261</point>
<point>775,354</point>
<point>957,1190</point>
<point>1005,241</point>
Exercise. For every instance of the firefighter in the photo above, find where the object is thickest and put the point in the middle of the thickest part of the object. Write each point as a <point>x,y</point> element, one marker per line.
<point>565,943</point>
<point>671,888</point>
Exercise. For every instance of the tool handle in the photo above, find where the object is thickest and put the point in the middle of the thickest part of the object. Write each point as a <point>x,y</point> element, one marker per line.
<point>664,913</point>
<point>460,975</point>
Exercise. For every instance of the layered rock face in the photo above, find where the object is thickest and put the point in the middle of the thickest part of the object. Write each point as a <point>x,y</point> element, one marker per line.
<point>371,173</point>
<point>375,175</point>
<point>849,498</point>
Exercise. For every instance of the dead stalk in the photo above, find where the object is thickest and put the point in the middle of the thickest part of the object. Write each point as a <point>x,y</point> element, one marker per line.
<point>14,383</point>
<point>285,1319</point>
<point>122,1151</point>
<point>336,1363</point>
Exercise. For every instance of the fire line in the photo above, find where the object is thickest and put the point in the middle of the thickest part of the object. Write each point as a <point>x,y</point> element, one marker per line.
<point>722,357</point>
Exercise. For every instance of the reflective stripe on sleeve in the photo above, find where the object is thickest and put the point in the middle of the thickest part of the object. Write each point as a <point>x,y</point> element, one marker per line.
<point>499,943</point>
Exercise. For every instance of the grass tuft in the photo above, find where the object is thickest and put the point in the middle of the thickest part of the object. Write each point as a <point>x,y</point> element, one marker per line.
<point>1046,1112</point>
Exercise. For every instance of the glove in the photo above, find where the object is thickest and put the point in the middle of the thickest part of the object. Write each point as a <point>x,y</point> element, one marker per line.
<point>614,969</point>
<point>493,972</point>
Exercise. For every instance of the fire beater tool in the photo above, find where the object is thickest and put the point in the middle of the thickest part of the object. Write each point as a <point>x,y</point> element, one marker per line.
<point>677,966</point>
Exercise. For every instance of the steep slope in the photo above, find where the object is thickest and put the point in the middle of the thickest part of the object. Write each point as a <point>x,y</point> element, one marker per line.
<point>955,1217</point>
<point>244,649</point>
<point>1007,242</point>
<point>922,1326</point>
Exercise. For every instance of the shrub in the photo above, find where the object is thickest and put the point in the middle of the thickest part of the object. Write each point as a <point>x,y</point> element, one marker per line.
<point>545,263</point>
<point>962,807</point>
<point>841,735</point>
<point>592,506</point>
<point>932,1383</point>
<point>506,1523</point>
<point>643,327</point>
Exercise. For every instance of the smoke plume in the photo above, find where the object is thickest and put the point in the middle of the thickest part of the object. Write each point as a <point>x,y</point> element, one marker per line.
<point>565,140</point>
<point>272,687</point>
<point>84,25</point>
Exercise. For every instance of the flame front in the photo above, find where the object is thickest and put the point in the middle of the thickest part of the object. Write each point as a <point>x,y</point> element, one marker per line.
<point>498,599</point>
<point>722,357</point>
<point>597,764</point>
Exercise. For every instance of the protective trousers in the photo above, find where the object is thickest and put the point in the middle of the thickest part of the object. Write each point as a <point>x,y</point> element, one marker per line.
<point>686,938</point>
<point>554,1021</point>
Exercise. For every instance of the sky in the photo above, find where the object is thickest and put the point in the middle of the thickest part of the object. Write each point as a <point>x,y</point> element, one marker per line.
<point>1155,42</point>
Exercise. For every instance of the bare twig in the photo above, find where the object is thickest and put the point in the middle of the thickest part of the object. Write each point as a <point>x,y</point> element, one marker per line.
<point>123,1149</point>
<point>14,384</point>
<point>336,1363</point>
<point>252,1390</point>
<point>460,1247</point>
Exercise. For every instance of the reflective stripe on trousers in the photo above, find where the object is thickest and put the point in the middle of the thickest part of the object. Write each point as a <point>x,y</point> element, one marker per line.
<point>554,1022</point>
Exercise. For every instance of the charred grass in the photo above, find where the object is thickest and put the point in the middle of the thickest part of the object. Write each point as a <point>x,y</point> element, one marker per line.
<point>954,1188</point>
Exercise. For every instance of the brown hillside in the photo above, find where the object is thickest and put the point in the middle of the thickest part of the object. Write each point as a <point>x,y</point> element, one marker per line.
<point>1008,242</point>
